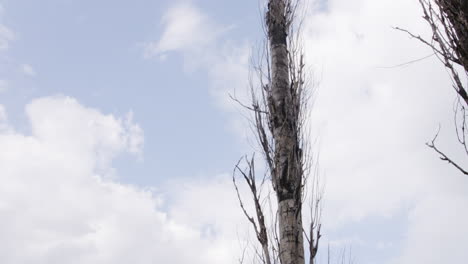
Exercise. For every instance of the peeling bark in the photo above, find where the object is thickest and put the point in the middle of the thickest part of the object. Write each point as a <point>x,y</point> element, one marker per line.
<point>279,112</point>
<point>287,176</point>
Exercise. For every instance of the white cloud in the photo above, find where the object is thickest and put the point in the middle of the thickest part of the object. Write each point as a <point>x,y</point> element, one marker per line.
<point>373,123</point>
<point>101,135</point>
<point>58,206</point>
<point>28,70</point>
<point>437,231</point>
<point>185,27</point>
<point>205,47</point>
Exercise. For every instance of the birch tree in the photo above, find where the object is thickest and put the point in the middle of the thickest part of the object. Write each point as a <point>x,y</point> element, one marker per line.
<point>279,106</point>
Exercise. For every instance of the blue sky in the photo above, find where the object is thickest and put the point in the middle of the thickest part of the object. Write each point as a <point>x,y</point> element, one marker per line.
<point>118,137</point>
<point>92,52</point>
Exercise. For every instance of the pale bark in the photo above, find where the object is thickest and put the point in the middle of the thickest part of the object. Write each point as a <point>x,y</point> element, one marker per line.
<point>287,175</point>
<point>279,115</point>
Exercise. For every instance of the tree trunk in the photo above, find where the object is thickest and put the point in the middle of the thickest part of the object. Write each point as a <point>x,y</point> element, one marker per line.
<point>287,175</point>
<point>457,13</point>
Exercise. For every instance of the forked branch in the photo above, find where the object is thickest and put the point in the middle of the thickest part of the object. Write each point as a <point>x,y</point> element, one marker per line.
<point>443,156</point>
<point>259,226</point>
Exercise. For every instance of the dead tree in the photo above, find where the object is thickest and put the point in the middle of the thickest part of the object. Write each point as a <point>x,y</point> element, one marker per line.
<point>279,107</point>
<point>448,20</point>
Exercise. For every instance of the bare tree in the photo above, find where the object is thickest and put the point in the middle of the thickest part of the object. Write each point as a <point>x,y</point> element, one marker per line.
<point>448,20</point>
<point>279,109</point>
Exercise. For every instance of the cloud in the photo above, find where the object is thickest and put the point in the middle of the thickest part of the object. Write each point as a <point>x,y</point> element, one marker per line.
<point>206,47</point>
<point>104,136</point>
<point>373,121</point>
<point>185,28</point>
<point>28,70</point>
<point>59,205</point>
<point>436,231</point>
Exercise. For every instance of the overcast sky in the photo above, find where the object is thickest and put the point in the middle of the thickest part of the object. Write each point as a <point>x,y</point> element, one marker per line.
<point>118,136</point>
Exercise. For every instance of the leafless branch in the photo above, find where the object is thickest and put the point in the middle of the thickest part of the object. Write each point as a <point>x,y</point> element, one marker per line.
<point>259,225</point>
<point>448,20</point>
<point>443,156</point>
<point>279,104</point>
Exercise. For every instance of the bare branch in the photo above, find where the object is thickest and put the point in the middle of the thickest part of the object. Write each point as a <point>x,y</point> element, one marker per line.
<point>259,225</point>
<point>279,110</point>
<point>443,156</point>
<point>448,20</point>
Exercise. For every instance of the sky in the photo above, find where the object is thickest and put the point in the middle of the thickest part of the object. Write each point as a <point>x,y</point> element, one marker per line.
<point>118,135</point>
